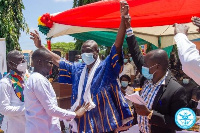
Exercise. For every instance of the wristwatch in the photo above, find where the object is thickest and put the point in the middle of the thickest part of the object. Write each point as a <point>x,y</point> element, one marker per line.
<point>150,115</point>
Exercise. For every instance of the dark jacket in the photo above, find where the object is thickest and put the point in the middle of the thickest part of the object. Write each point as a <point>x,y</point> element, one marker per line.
<point>169,99</point>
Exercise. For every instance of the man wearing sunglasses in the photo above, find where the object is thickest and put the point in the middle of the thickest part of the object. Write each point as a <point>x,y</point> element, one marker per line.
<point>12,94</point>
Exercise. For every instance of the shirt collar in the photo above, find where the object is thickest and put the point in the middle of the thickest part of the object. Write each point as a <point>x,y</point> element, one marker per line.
<point>161,81</point>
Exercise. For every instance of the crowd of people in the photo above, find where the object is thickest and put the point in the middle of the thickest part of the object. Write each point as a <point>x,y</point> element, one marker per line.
<point>29,104</point>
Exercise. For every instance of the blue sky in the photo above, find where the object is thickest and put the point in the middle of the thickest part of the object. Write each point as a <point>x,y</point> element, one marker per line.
<point>36,8</point>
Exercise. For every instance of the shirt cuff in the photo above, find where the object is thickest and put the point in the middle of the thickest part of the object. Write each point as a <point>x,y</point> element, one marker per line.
<point>129,32</point>
<point>178,36</point>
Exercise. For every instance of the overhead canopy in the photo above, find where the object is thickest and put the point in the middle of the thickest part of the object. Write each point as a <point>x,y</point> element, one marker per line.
<point>144,13</point>
<point>152,19</point>
<point>107,38</point>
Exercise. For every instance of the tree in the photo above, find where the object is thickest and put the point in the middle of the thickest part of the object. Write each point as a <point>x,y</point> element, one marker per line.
<point>12,22</point>
<point>63,47</point>
<point>82,2</point>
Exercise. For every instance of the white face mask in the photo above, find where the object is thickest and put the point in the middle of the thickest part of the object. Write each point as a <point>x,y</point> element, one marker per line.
<point>22,67</point>
<point>185,81</point>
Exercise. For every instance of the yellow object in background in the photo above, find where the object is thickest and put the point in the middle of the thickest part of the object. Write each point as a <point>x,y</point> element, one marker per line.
<point>50,79</point>
<point>1,131</point>
<point>137,89</point>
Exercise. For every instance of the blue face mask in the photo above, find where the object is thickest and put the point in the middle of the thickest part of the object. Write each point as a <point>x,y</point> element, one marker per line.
<point>80,60</point>
<point>125,60</point>
<point>145,72</point>
<point>131,59</point>
<point>88,58</point>
<point>124,83</point>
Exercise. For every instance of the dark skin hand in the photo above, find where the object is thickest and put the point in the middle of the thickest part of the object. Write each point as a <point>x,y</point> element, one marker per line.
<point>80,111</point>
<point>196,21</point>
<point>141,110</point>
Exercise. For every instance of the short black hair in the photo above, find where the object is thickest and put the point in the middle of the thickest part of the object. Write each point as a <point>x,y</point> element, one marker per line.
<point>13,54</point>
<point>159,56</point>
<point>125,76</point>
<point>40,54</point>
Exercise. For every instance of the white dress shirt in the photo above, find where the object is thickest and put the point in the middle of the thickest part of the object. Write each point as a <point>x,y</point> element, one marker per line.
<point>189,57</point>
<point>128,70</point>
<point>12,108</point>
<point>42,111</point>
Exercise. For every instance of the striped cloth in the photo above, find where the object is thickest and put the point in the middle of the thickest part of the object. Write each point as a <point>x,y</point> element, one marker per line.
<point>111,108</point>
<point>149,92</point>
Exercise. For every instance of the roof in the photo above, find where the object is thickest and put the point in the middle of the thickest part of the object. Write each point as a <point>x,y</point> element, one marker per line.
<point>27,51</point>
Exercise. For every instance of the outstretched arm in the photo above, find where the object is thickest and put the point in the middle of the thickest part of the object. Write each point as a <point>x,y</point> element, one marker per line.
<point>37,41</point>
<point>124,8</point>
<point>188,54</point>
<point>133,47</point>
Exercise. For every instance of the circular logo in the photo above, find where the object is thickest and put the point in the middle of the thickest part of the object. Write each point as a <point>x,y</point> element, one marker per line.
<point>185,118</point>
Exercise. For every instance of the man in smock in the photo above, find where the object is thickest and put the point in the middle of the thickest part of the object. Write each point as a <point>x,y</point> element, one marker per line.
<point>94,81</point>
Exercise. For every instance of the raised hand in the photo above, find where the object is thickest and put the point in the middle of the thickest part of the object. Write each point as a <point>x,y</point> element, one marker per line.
<point>36,38</point>
<point>181,28</point>
<point>196,21</point>
<point>124,8</point>
<point>81,110</point>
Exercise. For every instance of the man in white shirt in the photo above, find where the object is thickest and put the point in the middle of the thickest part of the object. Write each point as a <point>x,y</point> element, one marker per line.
<point>12,95</point>
<point>188,54</point>
<point>42,111</point>
<point>128,69</point>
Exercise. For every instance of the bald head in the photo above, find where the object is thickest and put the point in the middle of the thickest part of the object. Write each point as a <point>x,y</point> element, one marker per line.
<point>159,56</point>
<point>40,54</point>
<point>42,61</point>
<point>90,44</point>
<point>13,54</point>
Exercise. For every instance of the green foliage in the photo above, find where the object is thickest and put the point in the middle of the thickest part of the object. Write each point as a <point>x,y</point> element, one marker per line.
<point>63,47</point>
<point>12,22</point>
<point>82,2</point>
<point>78,44</point>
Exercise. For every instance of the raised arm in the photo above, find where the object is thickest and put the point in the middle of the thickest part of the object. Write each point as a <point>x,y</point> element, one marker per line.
<point>37,41</point>
<point>188,53</point>
<point>124,9</point>
<point>133,47</point>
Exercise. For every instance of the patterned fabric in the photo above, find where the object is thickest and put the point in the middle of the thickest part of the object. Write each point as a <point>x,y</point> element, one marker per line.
<point>111,107</point>
<point>18,84</point>
<point>148,94</point>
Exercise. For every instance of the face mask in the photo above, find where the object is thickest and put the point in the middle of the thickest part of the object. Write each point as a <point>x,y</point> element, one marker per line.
<point>185,81</point>
<point>22,67</point>
<point>145,72</point>
<point>125,60</point>
<point>88,58</point>
<point>124,83</point>
<point>131,59</point>
<point>80,60</point>
<point>198,106</point>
